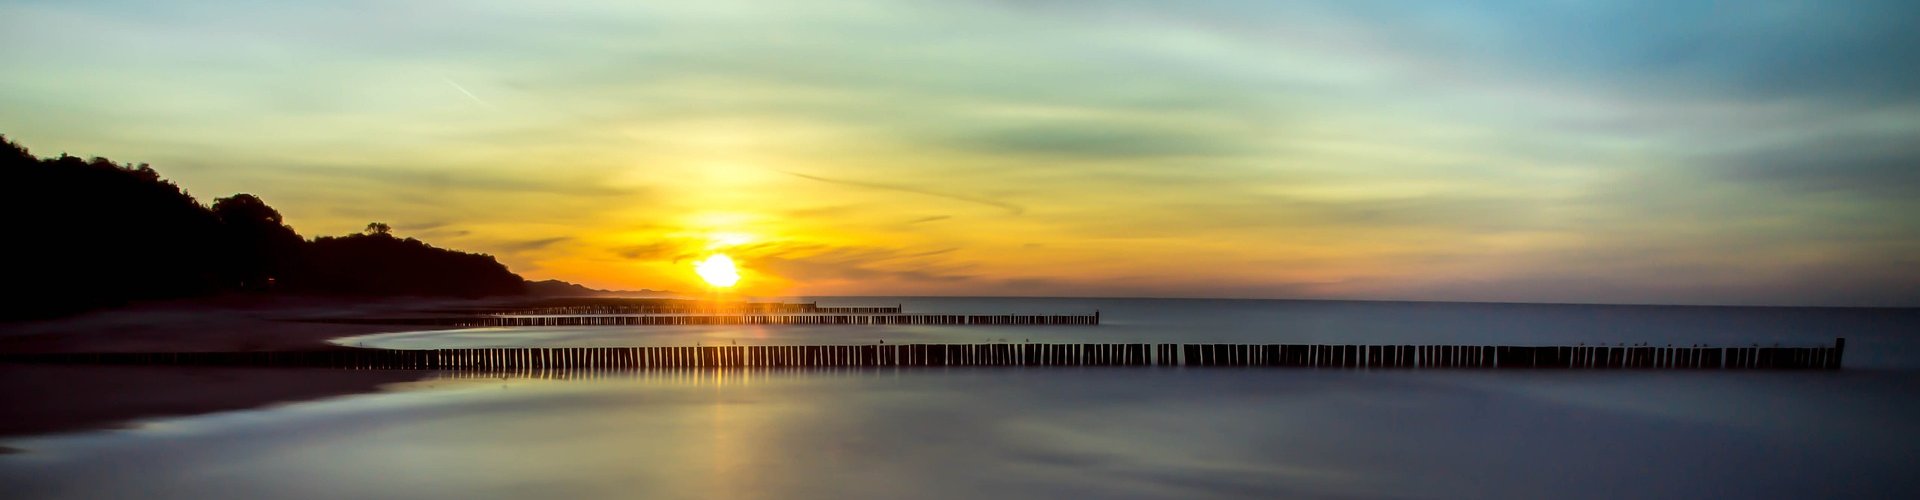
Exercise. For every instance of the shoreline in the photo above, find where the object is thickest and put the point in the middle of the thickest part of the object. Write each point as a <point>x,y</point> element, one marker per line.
<point>52,399</point>
<point>242,324</point>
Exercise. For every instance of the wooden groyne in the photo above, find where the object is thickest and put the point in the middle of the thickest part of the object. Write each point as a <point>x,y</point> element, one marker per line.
<point>679,307</point>
<point>743,319</point>
<point>1007,354</point>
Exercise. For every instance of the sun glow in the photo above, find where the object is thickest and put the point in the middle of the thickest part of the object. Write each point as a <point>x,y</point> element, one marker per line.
<point>718,270</point>
<point>722,240</point>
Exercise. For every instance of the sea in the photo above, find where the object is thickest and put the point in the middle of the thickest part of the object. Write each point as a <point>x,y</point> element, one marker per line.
<point>1061,432</point>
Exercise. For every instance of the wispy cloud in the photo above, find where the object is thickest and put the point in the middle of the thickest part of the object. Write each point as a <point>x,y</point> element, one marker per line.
<point>533,244</point>
<point>1010,208</point>
<point>930,218</point>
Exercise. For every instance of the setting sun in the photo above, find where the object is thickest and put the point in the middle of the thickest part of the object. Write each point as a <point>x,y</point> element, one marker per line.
<point>717,270</point>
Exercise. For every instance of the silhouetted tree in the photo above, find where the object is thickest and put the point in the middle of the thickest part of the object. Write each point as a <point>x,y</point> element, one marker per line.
<point>94,233</point>
<point>377,263</point>
<point>262,250</point>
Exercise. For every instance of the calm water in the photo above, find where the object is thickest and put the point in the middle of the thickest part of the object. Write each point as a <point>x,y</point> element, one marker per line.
<point>1089,433</point>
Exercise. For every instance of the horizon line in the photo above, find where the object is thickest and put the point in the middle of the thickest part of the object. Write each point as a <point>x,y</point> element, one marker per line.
<point>1415,301</point>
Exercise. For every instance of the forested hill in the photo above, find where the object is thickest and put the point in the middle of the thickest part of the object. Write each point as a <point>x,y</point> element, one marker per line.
<point>93,233</point>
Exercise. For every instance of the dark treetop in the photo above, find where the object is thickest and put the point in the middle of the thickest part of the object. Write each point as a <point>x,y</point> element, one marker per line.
<point>94,233</point>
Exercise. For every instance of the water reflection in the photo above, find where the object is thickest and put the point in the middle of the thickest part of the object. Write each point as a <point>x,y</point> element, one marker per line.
<point>1013,433</point>
<point>675,376</point>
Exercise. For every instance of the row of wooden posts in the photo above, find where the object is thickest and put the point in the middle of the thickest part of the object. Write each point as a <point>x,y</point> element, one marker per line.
<point>1005,354</point>
<point>782,319</point>
<point>723,308</point>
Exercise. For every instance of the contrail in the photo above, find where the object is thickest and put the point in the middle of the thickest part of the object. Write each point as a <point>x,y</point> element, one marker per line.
<point>1009,207</point>
<point>463,90</point>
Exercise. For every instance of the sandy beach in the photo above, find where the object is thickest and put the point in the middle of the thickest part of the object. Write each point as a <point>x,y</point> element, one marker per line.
<point>45,398</point>
<point>217,324</point>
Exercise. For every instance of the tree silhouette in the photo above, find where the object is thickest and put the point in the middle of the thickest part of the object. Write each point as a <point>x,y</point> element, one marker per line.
<point>94,233</point>
<point>377,263</point>
<point>261,249</point>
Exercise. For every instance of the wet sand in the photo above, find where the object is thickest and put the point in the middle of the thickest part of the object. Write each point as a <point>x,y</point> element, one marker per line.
<point>222,324</point>
<point>46,399</point>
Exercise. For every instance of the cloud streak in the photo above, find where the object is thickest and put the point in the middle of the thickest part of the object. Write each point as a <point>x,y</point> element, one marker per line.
<point>1010,208</point>
<point>463,91</point>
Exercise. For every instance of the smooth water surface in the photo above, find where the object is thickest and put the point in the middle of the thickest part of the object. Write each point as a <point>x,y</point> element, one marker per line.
<point>1015,433</point>
<point>1028,433</point>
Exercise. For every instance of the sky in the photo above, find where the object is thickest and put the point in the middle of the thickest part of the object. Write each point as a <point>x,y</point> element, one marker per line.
<point>1675,152</point>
